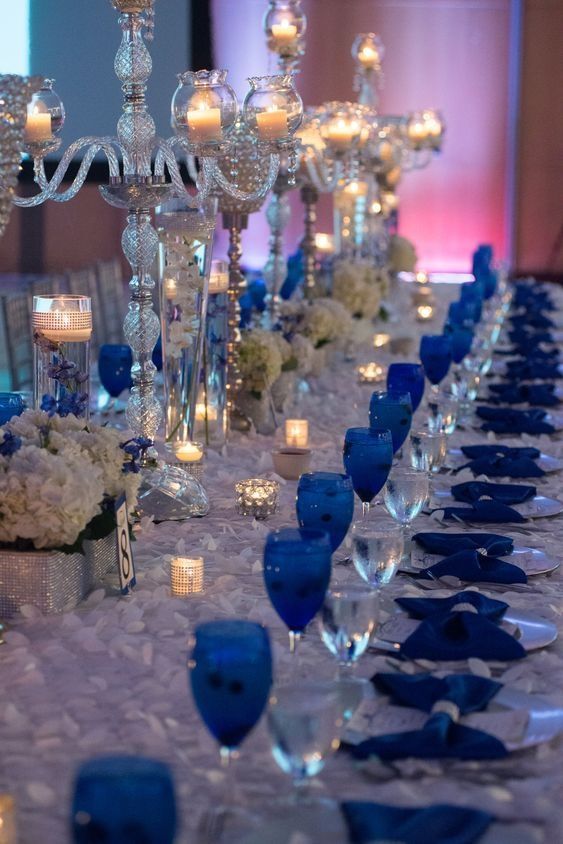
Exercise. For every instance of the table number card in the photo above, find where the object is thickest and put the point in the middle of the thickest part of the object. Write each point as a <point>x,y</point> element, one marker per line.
<point>125,562</point>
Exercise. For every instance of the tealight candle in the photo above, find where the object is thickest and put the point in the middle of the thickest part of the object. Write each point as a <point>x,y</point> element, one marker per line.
<point>297,432</point>
<point>371,373</point>
<point>257,497</point>
<point>421,277</point>
<point>8,831</point>
<point>204,124</point>
<point>61,325</point>
<point>186,575</point>
<point>324,243</point>
<point>424,312</point>
<point>170,288</point>
<point>341,133</point>
<point>368,57</point>
<point>272,124</point>
<point>38,127</point>
<point>283,33</point>
<point>381,340</point>
<point>188,452</point>
<point>219,277</point>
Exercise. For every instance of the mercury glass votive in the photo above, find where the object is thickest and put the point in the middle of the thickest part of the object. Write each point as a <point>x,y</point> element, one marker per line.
<point>297,432</point>
<point>371,373</point>
<point>8,831</point>
<point>257,497</point>
<point>186,575</point>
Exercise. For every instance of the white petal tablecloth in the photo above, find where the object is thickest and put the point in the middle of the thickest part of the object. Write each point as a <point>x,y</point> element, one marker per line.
<point>111,676</point>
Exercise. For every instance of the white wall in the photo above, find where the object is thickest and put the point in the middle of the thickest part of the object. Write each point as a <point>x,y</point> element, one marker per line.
<point>75,41</point>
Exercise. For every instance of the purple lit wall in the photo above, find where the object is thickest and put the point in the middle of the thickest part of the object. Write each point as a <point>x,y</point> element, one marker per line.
<point>451,54</point>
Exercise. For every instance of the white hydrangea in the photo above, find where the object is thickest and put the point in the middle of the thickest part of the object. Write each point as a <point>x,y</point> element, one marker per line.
<point>320,324</point>
<point>260,360</point>
<point>402,254</point>
<point>341,316</point>
<point>304,353</point>
<point>357,286</point>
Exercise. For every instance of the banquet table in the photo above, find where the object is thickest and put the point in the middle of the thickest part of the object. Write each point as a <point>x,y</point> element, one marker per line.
<point>111,676</point>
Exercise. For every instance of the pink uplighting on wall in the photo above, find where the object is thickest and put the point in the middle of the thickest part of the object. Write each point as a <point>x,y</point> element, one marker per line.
<point>448,54</point>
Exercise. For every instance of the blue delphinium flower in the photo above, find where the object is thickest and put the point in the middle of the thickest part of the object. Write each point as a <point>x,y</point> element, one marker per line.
<point>135,448</point>
<point>10,444</point>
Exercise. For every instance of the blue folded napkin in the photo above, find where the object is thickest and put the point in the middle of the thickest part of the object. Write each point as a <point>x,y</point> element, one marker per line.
<point>469,692</point>
<point>532,369</point>
<point>488,512</point>
<point>535,353</point>
<point>530,338</point>
<point>461,635</point>
<point>475,451</point>
<point>501,461</point>
<point>504,420</point>
<point>542,395</point>
<point>448,543</point>
<point>441,824</point>
<point>427,607</point>
<point>476,567</point>
<point>472,491</point>
<point>531,319</point>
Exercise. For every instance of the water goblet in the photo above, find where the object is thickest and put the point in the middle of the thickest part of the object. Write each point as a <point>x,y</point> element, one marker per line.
<point>368,456</point>
<point>325,501</point>
<point>442,414</point>
<point>436,357</point>
<point>461,339</point>
<point>404,496</point>
<point>377,550</point>
<point>123,799</point>
<point>392,411</point>
<point>297,568</point>
<point>347,620</point>
<point>11,404</point>
<point>407,378</point>
<point>428,451</point>
<point>114,368</point>
<point>304,722</point>
<point>231,675</point>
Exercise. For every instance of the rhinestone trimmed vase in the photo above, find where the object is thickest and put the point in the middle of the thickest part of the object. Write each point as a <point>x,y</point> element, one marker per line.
<point>49,580</point>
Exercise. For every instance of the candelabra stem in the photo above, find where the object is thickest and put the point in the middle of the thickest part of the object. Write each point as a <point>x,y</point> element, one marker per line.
<point>309,198</point>
<point>277,214</point>
<point>234,223</point>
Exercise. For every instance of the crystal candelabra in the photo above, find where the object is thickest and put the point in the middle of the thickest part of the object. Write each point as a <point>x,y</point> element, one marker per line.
<point>204,114</point>
<point>367,52</point>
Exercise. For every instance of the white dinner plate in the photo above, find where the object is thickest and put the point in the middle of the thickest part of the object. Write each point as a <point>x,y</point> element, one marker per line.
<point>532,631</point>
<point>532,561</point>
<point>536,508</point>
<point>547,463</point>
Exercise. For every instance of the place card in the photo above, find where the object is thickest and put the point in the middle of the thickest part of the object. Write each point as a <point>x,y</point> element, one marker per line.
<point>126,566</point>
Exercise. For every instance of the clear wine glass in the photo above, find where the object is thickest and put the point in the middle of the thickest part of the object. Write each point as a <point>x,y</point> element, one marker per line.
<point>347,620</point>
<point>442,414</point>
<point>377,549</point>
<point>428,451</point>
<point>404,496</point>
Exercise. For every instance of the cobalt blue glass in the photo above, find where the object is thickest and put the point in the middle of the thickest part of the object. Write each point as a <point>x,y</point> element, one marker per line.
<point>11,404</point>
<point>123,800</point>
<point>462,339</point>
<point>114,368</point>
<point>436,356</point>
<point>464,313</point>
<point>297,566</point>
<point>231,676</point>
<point>393,412</point>
<point>472,292</point>
<point>407,378</point>
<point>368,456</point>
<point>325,501</point>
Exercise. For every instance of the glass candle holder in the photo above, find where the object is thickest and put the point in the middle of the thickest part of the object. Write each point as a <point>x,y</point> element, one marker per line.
<point>381,340</point>
<point>371,373</point>
<point>190,456</point>
<point>340,127</point>
<point>368,51</point>
<point>273,109</point>
<point>8,829</point>
<point>186,575</point>
<point>297,432</point>
<point>45,119</point>
<point>62,328</point>
<point>257,497</point>
<point>204,109</point>
<point>211,408</point>
<point>424,313</point>
<point>284,26</point>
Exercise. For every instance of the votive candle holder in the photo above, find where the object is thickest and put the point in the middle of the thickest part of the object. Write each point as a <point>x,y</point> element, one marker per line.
<point>186,576</point>
<point>257,497</point>
<point>297,432</point>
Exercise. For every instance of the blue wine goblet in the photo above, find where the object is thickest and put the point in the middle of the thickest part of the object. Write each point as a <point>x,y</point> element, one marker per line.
<point>325,501</point>
<point>114,369</point>
<point>123,799</point>
<point>407,378</point>
<point>436,357</point>
<point>368,456</point>
<point>465,314</point>
<point>392,411</point>
<point>231,675</point>
<point>297,567</point>
<point>11,404</point>
<point>462,339</point>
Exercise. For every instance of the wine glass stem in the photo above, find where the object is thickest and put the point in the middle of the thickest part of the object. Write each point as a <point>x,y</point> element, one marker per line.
<point>294,638</point>
<point>365,509</point>
<point>406,540</point>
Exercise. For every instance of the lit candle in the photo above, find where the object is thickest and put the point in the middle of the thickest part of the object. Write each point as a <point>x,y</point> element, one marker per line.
<point>368,57</point>
<point>341,133</point>
<point>203,412</point>
<point>62,326</point>
<point>186,575</point>
<point>424,312</point>
<point>370,373</point>
<point>170,288</point>
<point>204,124</point>
<point>219,277</point>
<point>256,497</point>
<point>418,132</point>
<point>421,278</point>
<point>356,189</point>
<point>272,124</point>
<point>380,340</point>
<point>324,243</point>
<point>38,126</point>
<point>283,33</point>
<point>297,432</point>
<point>188,452</point>
<point>8,831</point>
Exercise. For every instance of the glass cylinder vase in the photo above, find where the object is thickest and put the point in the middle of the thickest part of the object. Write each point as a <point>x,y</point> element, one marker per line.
<point>62,328</point>
<point>211,408</point>
<point>185,245</point>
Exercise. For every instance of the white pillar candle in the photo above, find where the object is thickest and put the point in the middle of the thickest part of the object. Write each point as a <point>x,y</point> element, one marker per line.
<point>186,575</point>
<point>297,432</point>
<point>272,124</point>
<point>340,134</point>
<point>204,124</point>
<point>170,288</point>
<point>283,33</point>
<point>202,412</point>
<point>188,452</point>
<point>38,126</point>
<point>61,326</point>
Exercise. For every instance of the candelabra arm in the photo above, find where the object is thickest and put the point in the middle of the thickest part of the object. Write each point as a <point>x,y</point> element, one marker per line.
<point>191,165</point>
<point>214,175</point>
<point>49,189</point>
<point>166,156</point>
